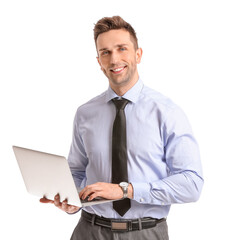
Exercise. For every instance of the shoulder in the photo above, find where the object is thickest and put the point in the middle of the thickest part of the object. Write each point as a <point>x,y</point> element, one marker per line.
<point>92,103</point>
<point>90,109</point>
<point>155,98</point>
<point>166,108</point>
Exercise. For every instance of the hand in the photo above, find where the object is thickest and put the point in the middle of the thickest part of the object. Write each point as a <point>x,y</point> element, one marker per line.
<point>104,190</point>
<point>64,206</point>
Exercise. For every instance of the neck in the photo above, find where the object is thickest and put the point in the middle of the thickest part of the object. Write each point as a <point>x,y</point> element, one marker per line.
<point>121,89</point>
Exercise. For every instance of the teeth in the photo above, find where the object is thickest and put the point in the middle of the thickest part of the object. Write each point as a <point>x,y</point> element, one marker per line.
<point>118,69</point>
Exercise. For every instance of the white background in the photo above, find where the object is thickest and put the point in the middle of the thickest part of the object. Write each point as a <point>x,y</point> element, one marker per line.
<point>48,68</point>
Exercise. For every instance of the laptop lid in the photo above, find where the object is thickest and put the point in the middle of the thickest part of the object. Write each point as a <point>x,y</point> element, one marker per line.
<point>47,174</point>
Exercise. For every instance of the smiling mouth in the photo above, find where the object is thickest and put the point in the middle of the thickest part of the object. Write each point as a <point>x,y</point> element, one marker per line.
<point>118,70</point>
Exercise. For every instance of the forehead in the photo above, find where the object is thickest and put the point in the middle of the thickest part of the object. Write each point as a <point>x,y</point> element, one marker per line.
<point>113,38</point>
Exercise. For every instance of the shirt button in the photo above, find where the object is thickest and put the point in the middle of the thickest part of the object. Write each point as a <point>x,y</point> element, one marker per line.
<point>141,199</point>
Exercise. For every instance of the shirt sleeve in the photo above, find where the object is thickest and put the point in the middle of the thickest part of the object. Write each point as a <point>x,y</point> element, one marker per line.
<point>181,155</point>
<point>77,158</point>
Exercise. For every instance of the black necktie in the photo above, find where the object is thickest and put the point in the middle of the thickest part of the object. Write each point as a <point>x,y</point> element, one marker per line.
<point>119,154</point>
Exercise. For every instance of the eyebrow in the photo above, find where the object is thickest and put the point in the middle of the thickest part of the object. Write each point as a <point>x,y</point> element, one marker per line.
<point>118,45</point>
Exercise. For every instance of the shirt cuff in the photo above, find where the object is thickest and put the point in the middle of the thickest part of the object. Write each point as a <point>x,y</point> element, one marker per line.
<point>141,192</point>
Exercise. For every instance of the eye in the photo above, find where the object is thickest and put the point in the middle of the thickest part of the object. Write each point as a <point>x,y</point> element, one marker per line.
<point>104,53</point>
<point>122,49</point>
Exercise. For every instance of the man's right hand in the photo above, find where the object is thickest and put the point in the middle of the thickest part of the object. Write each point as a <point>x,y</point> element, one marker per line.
<point>64,206</point>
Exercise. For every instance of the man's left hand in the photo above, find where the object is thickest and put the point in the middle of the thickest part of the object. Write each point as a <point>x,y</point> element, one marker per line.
<point>104,190</point>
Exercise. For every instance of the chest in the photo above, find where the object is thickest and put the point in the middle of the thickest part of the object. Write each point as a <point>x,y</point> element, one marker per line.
<point>143,130</point>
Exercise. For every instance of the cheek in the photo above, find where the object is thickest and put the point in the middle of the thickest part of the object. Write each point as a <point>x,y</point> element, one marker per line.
<point>103,65</point>
<point>130,58</point>
<point>104,69</point>
<point>132,62</point>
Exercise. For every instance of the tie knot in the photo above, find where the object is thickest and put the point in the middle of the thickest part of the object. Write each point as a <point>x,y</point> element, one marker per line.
<point>120,104</point>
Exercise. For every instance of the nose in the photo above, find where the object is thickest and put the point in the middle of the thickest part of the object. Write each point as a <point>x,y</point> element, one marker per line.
<point>114,59</point>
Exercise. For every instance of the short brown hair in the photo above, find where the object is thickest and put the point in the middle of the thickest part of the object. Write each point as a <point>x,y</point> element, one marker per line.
<point>111,23</point>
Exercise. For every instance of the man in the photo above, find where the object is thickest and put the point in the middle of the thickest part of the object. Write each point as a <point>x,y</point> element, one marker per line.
<point>129,142</point>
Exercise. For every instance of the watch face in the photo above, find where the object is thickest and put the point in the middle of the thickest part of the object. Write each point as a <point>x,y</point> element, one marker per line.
<point>123,184</point>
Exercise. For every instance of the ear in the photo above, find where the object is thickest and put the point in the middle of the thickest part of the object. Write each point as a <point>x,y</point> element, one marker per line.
<point>98,60</point>
<point>99,63</point>
<point>139,55</point>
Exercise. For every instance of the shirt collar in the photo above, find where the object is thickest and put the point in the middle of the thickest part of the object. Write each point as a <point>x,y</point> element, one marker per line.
<point>131,95</point>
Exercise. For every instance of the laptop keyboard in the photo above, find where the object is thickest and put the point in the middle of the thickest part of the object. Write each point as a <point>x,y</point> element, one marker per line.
<point>86,200</point>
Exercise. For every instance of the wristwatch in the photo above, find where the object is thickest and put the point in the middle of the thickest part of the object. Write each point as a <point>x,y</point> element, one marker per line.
<point>124,186</point>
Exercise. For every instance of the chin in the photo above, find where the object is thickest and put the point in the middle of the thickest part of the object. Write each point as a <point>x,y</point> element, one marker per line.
<point>120,82</point>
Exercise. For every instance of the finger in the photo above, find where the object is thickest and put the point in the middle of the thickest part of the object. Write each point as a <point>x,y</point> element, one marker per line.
<point>80,194</point>
<point>57,200</point>
<point>94,195</point>
<point>64,205</point>
<point>84,193</point>
<point>87,194</point>
<point>45,200</point>
<point>88,190</point>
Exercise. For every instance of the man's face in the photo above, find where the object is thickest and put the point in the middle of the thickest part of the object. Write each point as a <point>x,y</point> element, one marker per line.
<point>117,57</point>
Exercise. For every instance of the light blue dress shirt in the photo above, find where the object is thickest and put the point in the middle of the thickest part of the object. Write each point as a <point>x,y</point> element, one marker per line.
<point>163,157</point>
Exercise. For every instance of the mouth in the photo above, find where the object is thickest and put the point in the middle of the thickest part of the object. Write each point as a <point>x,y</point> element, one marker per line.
<point>118,70</point>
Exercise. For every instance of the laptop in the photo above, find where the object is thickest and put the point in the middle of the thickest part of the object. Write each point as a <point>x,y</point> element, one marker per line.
<point>47,174</point>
